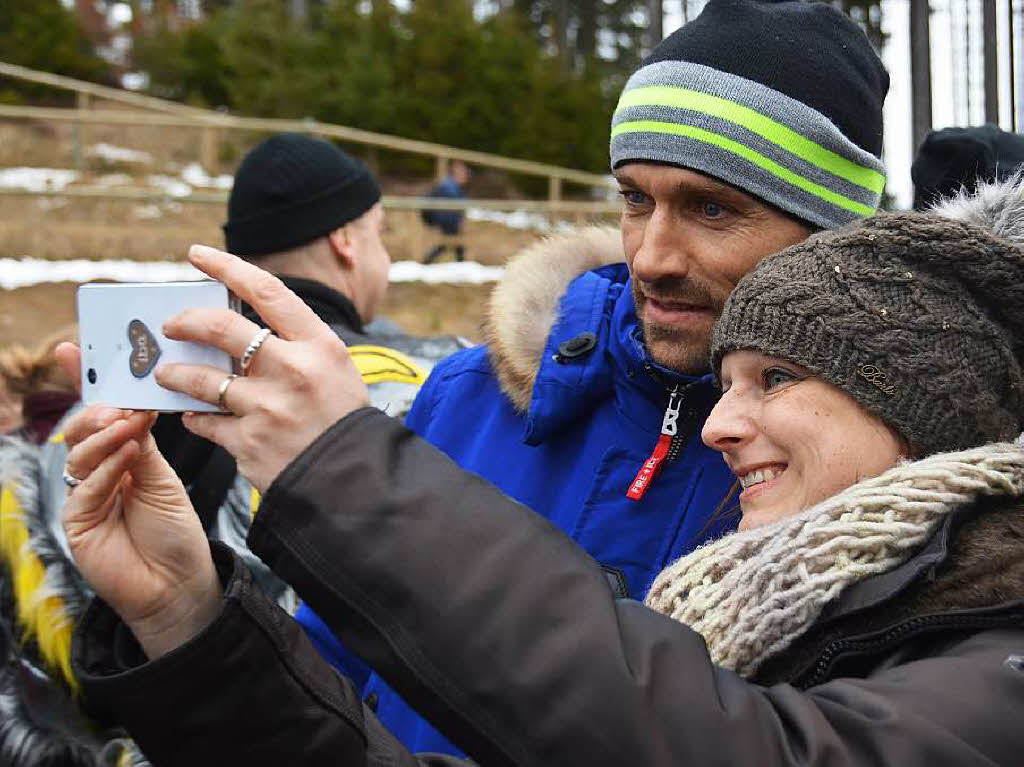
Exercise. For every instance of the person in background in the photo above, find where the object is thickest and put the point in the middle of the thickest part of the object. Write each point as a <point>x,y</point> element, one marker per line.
<point>587,403</point>
<point>952,160</point>
<point>42,594</point>
<point>37,389</point>
<point>448,222</point>
<point>10,410</point>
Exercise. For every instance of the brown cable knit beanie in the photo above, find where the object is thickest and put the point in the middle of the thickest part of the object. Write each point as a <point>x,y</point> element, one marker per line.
<point>918,317</point>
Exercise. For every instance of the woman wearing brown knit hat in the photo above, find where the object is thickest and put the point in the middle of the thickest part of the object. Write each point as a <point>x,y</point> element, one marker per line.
<point>870,611</point>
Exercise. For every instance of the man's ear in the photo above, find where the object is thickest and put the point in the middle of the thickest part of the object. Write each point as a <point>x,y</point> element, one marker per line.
<point>343,245</point>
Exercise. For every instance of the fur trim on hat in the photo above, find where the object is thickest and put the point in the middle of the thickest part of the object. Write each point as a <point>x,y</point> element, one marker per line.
<point>997,207</point>
<point>524,305</point>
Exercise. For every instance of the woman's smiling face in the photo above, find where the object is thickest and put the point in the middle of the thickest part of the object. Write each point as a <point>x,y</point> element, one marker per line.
<point>791,438</point>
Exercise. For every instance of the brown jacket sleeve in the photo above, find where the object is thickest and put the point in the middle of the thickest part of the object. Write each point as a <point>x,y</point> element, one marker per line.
<point>505,634</point>
<point>249,690</point>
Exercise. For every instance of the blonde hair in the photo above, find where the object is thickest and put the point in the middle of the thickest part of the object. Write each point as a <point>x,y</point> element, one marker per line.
<point>25,371</point>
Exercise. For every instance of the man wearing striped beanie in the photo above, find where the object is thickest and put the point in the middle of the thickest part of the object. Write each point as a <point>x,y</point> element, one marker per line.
<point>745,131</point>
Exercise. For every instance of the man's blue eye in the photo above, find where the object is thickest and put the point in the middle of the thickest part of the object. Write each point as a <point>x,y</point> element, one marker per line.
<point>632,197</point>
<point>713,210</point>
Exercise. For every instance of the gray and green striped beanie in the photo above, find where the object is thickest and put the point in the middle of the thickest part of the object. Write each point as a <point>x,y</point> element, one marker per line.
<point>780,99</point>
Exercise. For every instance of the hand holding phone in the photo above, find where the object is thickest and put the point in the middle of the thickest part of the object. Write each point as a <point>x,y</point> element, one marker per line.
<point>302,380</point>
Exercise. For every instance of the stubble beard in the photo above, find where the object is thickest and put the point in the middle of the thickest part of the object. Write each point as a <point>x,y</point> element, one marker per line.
<point>684,350</point>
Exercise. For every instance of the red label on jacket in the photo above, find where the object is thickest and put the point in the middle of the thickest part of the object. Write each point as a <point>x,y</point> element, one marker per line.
<point>650,469</point>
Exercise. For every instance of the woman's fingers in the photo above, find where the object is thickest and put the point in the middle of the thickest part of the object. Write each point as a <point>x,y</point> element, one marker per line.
<point>69,357</point>
<point>226,330</point>
<point>89,421</point>
<point>204,382</point>
<point>90,452</point>
<point>217,429</point>
<point>281,309</point>
<point>96,492</point>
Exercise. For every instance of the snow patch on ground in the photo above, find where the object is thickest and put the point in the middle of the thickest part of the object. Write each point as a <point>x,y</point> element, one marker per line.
<point>112,153</point>
<point>459,273</point>
<point>19,273</point>
<point>36,179</point>
<point>196,175</point>
<point>519,219</point>
<point>170,185</point>
<point>147,212</point>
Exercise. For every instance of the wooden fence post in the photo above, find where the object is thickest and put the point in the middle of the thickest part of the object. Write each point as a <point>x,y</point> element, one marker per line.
<point>78,136</point>
<point>554,194</point>
<point>209,150</point>
<point>554,189</point>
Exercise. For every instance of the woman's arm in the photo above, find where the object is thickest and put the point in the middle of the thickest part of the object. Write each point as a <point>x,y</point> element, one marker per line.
<point>249,689</point>
<point>506,635</point>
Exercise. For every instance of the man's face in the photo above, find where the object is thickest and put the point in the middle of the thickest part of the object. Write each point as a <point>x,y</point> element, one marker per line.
<point>372,262</point>
<point>688,240</point>
<point>460,173</point>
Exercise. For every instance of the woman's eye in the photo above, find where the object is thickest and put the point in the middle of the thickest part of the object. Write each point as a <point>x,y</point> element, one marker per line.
<point>775,377</point>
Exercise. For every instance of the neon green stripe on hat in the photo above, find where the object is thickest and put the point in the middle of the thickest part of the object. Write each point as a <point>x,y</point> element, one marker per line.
<point>769,129</point>
<point>735,147</point>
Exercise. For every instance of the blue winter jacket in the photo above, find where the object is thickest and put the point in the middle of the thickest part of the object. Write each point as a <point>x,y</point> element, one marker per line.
<point>593,420</point>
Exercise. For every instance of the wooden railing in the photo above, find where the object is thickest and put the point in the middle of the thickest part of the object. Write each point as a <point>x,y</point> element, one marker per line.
<point>210,123</point>
<point>576,208</point>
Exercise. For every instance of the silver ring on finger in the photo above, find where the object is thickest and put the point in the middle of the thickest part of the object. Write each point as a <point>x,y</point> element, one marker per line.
<point>223,390</point>
<point>69,479</point>
<point>254,346</point>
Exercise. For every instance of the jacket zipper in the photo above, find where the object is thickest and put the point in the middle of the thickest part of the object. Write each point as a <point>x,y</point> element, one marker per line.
<point>670,443</point>
<point>901,631</point>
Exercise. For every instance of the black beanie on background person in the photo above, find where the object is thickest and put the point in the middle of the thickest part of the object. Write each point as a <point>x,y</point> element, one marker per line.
<point>782,99</point>
<point>952,160</point>
<point>291,189</point>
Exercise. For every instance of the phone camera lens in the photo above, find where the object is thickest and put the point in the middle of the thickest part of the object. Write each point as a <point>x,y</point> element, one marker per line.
<point>90,375</point>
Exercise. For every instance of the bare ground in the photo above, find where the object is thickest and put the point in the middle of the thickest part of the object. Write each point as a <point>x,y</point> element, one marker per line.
<point>66,228</point>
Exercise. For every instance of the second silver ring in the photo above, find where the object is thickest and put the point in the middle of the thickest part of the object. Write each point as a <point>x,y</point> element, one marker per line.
<point>254,346</point>
<point>223,390</point>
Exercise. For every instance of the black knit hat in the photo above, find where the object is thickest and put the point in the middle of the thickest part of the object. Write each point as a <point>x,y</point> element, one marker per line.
<point>291,189</point>
<point>955,159</point>
<point>781,99</point>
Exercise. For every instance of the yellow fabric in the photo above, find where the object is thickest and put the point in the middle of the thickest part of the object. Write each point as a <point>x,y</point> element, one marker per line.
<point>42,618</point>
<point>125,758</point>
<point>377,364</point>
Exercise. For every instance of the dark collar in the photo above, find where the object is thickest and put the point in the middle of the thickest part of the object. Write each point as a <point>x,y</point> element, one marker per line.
<point>870,592</point>
<point>331,306</point>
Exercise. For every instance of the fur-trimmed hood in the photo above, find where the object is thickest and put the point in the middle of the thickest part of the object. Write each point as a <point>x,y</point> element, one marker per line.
<point>524,306</point>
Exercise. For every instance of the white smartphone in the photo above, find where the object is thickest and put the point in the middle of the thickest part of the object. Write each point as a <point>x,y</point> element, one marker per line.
<point>119,327</point>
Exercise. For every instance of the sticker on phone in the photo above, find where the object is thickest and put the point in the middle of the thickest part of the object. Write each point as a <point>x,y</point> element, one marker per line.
<point>145,349</point>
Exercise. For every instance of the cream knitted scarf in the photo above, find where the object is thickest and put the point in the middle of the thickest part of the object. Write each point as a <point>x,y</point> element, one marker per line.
<point>750,594</point>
